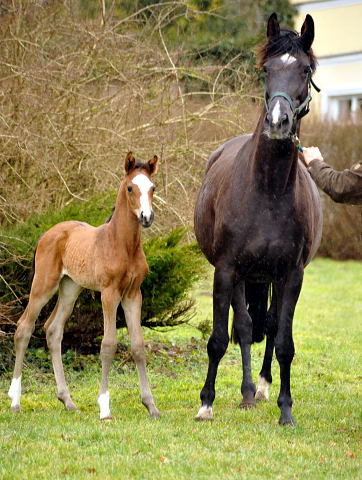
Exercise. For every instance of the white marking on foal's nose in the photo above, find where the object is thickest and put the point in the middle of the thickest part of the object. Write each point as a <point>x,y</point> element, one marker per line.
<point>276,113</point>
<point>287,59</point>
<point>144,184</point>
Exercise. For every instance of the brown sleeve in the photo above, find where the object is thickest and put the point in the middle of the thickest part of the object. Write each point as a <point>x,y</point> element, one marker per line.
<point>342,187</point>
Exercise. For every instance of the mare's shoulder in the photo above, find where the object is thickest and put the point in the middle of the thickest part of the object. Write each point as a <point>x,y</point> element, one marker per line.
<point>228,150</point>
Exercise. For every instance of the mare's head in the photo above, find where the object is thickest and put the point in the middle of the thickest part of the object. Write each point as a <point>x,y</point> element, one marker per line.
<point>288,62</point>
<point>140,188</point>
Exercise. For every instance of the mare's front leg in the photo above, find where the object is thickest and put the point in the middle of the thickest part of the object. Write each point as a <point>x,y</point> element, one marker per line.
<point>243,333</point>
<point>110,301</point>
<point>219,339</point>
<point>132,303</point>
<point>288,291</point>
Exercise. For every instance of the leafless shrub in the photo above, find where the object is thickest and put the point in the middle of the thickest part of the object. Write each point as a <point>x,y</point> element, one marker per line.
<point>341,146</point>
<point>76,96</point>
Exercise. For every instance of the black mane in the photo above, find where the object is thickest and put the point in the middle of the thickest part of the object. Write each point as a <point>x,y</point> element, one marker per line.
<point>288,41</point>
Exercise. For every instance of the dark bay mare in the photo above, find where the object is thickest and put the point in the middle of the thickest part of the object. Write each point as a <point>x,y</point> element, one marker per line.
<point>258,220</point>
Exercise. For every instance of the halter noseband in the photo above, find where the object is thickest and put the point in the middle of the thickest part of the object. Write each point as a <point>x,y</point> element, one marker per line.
<point>297,111</point>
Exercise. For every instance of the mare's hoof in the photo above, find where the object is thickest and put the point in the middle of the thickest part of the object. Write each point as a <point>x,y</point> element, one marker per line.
<point>247,405</point>
<point>16,408</point>
<point>204,414</point>
<point>287,421</point>
<point>262,392</point>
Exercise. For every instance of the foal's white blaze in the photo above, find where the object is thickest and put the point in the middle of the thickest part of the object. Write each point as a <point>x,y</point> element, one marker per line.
<point>144,184</point>
<point>15,391</point>
<point>287,59</point>
<point>263,387</point>
<point>103,402</point>
<point>276,113</point>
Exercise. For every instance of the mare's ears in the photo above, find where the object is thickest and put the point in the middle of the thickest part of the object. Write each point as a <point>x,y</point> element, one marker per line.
<point>129,163</point>
<point>151,165</point>
<point>273,28</point>
<point>307,32</point>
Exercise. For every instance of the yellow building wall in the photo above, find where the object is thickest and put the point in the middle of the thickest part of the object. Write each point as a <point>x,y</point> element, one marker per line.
<point>338,46</point>
<point>337,30</point>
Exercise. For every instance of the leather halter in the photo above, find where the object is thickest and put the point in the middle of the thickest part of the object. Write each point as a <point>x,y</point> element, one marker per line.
<point>297,111</point>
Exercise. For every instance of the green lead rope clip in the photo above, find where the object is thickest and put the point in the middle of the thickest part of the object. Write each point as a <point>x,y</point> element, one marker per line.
<point>296,142</point>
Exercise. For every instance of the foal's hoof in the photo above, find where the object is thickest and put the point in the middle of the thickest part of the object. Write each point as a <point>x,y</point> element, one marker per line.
<point>204,414</point>
<point>154,413</point>
<point>247,405</point>
<point>106,417</point>
<point>16,408</point>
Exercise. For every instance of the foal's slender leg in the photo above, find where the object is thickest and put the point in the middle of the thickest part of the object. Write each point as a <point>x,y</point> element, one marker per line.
<point>41,292</point>
<point>287,296</point>
<point>219,339</point>
<point>243,331</point>
<point>110,300</point>
<point>265,376</point>
<point>68,293</point>
<point>132,312</point>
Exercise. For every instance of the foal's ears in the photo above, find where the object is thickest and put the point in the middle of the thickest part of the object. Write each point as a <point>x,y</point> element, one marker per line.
<point>151,165</point>
<point>273,26</point>
<point>307,32</point>
<point>129,163</point>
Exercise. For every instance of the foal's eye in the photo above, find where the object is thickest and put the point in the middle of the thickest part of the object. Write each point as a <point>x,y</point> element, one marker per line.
<point>129,188</point>
<point>153,189</point>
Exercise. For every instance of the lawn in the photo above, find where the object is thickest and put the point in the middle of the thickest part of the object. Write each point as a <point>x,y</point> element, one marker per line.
<point>46,442</point>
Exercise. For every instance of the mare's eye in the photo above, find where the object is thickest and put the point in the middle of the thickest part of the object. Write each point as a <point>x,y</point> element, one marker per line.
<point>265,70</point>
<point>129,188</point>
<point>307,70</point>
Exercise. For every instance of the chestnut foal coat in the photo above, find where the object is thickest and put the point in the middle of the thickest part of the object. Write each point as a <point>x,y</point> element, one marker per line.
<point>74,255</point>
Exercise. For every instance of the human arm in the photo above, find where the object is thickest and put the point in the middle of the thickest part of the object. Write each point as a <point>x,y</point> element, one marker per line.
<point>342,187</point>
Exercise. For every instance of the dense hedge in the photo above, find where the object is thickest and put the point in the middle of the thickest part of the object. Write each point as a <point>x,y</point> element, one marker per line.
<point>174,266</point>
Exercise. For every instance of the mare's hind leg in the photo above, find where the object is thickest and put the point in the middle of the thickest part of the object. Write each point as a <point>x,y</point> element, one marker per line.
<point>219,339</point>
<point>41,292</point>
<point>132,310</point>
<point>68,293</point>
<point>243,333</point>
<point>265,376</point>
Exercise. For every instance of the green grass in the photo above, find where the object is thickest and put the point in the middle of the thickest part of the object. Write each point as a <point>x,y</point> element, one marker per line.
<point>44,441</point>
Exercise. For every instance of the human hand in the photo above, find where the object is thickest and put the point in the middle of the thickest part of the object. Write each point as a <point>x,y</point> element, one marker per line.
<point>311,153</point>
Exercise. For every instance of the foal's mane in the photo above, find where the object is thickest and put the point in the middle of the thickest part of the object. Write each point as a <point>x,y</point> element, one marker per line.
<point>288,41</point>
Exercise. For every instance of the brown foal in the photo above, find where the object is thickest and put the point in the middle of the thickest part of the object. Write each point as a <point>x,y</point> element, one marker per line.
<point>74,255</point>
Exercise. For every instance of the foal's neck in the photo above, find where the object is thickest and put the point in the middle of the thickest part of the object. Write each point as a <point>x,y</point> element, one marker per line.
<point>124,224</point>
<point>275,163</point>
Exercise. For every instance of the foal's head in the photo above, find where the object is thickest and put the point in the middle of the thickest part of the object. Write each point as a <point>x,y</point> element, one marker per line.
<point>288,62</point>
<point>140,187</point>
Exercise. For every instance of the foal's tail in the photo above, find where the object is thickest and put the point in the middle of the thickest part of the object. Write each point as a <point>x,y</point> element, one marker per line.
<point>256,296</point>
<point>31,276</point>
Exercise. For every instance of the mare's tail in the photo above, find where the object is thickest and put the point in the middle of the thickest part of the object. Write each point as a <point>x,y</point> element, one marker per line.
<point>256,297</point>
<point>31,276</point>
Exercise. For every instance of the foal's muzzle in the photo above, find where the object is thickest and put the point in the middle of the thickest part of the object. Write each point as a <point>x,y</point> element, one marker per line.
<point>146,220</point>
